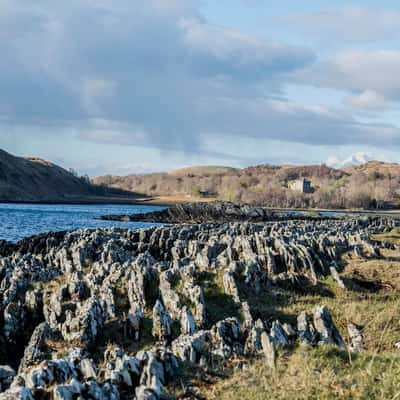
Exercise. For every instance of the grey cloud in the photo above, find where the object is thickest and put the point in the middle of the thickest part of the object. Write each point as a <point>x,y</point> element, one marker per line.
<point>217,50</point>
<point>358,71</point>
<point>286,121</point>
<point>139,138</point>
<point>156,74</point>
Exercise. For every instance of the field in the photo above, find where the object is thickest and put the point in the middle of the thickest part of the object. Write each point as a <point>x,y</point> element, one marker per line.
<point>371,301</point>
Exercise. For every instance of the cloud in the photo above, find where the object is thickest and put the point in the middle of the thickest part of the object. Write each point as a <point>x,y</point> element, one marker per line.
<point>158,74</point>
<point>228,52</point>
<point>358,158</point>
<point>370,75</point>
<point>351,23</point>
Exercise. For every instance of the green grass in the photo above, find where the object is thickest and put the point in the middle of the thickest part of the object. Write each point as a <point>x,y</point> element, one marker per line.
<point>219,304</point>
<point>321,373</point>
<point>372,301</point>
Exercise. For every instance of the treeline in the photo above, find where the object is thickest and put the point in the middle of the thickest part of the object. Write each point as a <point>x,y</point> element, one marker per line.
<point>269,186</point>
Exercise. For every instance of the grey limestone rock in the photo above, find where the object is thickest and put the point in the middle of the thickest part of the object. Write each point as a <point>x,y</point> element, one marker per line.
<point>325,327</point>
<point>162,322</point>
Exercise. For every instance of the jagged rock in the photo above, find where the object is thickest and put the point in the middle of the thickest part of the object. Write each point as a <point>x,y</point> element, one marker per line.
<point>93,390</point>
<point>253,345</point>
<point>226,338</point>
<point>170,297</point>
<point>7,375</point>
<point>162,322</point>
<point>34,303</point>
<point>195,294</point>
<point>145,393</point>
<point>36,350</point>
<point>135,318</point>
<point>305,328</point>
<point>188,324</point>
<point>319,328</point>
<point>325,327</point>
<point>121,367</point>
<point>92,281</point>
<point>14,317</point>
<point>336,276</point>
<point>140,280</point>
<point>153,375</point>
<point>110,392</point>
<point>268,349</point>
<point>356,338</point>
<point>77,287</point>
<point>193,348</point>
<point>86,324</point>
<point>107,302</point>
<point>17,393</point>
<point>247,317</point>
<point>68,392</point>
<point>87,369</point>
<point>215,212</point>
<point>230,285</point>
<point>278,335</point>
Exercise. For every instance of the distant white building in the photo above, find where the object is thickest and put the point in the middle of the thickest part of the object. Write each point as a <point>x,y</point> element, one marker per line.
<point>302,185</point>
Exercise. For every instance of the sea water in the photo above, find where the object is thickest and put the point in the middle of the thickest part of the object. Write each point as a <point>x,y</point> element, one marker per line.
<point>18,221</point>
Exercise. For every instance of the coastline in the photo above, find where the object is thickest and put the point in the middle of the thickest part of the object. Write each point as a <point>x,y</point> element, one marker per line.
<point>168,201</point>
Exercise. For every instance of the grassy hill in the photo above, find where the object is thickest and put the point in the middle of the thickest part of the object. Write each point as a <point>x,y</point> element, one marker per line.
<point>36,180</point>
<point>376,167</point>
<point>203,170</point>
<point>373,185</point>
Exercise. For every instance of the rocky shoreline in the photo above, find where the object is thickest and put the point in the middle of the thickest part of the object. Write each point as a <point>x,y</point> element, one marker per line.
<point>118,314</point>
<point>217,212</point>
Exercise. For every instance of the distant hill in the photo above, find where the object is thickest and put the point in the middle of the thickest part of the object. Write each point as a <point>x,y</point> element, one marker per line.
<point>376,167</point>
<point>203,170</point>
<point>36,180</point>
<point>371,185</point>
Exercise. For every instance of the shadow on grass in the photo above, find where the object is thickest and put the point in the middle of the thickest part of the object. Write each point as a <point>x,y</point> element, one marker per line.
<point>364,285</point>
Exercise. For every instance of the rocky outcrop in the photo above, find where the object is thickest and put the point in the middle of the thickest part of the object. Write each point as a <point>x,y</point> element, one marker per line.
<point>113,313</point>
<point>214,212</point>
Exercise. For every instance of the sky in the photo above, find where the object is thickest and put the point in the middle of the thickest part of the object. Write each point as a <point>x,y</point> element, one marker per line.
<point>129,86</point>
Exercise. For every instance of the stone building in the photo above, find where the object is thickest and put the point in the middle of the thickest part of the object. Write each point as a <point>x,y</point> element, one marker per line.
<point>301,185</point>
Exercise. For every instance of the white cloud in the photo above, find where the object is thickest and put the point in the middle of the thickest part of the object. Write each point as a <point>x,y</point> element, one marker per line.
<point>359,158</point>
<point>369,75</point>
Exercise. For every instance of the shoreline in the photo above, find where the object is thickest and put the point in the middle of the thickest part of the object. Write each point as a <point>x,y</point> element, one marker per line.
<point>165,201</point>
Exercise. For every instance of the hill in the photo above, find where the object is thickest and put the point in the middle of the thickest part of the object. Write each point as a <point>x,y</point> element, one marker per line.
<point>203,170</point>
<point>33,179</point>
<point>376,168</point>
<point>372,185</point>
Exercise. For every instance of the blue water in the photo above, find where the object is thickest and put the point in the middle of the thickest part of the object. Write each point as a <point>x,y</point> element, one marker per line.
<point>22,220</point>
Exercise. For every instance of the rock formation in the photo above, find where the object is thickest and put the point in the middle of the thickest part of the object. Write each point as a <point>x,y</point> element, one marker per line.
<point>213,212</point>
<point>113,313</point>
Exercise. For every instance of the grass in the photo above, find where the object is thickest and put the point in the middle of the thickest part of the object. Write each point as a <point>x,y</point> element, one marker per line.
<point>219,304</point>
<point>371,300</point>
<point>392,237</point>
<point>321,373</point>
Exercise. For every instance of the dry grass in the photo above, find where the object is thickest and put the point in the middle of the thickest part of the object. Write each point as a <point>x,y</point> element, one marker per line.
<point>372,301</point>
<point>320,373</point>
<point>392,237</point>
